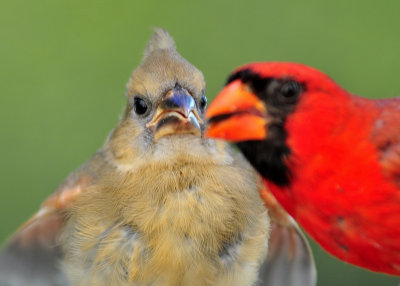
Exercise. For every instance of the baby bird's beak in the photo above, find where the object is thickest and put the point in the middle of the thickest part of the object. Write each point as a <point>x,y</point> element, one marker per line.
<point>176,114</point>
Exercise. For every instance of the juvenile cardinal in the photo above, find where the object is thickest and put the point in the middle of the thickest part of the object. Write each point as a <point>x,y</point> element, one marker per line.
<point>330,158</point>
<point>159,204</point>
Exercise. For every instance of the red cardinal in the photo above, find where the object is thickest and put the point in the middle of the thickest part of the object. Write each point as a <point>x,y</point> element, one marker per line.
<point>332,159</point>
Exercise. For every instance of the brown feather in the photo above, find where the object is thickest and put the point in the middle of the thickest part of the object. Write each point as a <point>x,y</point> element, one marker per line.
<point>179,210</point>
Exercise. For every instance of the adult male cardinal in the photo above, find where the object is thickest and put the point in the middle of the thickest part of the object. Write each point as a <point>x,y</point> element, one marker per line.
<point>159,204</point>
<point>330,158</point>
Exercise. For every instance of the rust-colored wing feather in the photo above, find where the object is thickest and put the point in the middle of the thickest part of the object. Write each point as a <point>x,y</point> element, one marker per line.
<point>32,255</point>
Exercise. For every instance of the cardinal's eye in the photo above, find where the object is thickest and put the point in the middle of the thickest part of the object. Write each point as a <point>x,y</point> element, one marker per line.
<point>140,106</point>
<point>289,92</point>
<point>291,89</point>
<point>203,103</point>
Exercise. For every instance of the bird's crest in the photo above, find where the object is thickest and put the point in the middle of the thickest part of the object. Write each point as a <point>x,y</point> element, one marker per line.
<point>161,40</point>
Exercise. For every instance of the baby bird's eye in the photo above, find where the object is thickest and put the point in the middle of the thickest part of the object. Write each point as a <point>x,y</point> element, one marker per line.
<point>139,105</point>
<point>203,103</point>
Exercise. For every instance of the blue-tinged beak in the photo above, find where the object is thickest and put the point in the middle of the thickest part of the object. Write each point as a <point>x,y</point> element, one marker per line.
<point>176,114</point>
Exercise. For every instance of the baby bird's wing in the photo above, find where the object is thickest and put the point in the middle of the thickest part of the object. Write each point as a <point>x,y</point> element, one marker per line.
<point>290,261</point>
<point>32,255</point>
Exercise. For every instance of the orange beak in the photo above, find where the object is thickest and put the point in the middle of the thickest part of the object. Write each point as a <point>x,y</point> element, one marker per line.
<point>237,115</point>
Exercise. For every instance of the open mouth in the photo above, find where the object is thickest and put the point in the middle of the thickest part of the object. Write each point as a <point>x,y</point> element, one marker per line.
<point>176,114</point>
<point>164,115</point>
<point>171,122</point>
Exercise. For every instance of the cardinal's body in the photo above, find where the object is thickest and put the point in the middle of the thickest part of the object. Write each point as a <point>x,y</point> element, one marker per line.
<point>330,158</point>
<point>159,204</point>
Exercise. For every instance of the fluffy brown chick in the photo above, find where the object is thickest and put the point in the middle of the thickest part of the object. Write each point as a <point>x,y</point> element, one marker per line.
<point>159,204</point>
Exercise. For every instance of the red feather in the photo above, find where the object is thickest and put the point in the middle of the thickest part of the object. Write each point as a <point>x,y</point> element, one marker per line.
<point>345,168</point>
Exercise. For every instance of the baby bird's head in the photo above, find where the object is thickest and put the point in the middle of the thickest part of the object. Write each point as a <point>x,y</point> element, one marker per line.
<point>165,109</point>
<point>166,92</point>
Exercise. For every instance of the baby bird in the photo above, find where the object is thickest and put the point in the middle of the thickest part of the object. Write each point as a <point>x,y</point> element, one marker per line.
<point>159,204</point>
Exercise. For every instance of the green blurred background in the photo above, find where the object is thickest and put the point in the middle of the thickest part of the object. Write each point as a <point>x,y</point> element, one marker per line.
<point>64,65</point>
